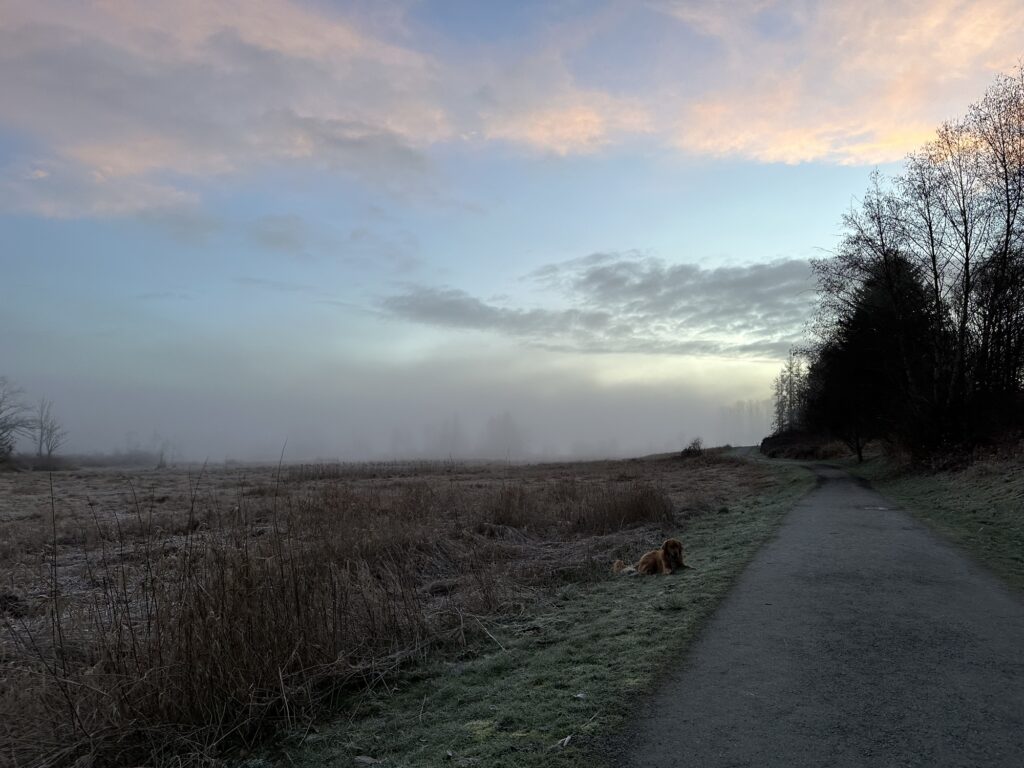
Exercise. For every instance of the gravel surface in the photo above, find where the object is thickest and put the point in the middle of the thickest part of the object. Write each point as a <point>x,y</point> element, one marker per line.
<point>855,638</point>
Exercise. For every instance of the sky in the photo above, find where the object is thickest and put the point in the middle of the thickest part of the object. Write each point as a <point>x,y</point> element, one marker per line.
<point>444,228</point>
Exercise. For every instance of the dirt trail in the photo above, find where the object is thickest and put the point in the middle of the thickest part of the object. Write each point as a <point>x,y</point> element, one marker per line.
<point>855,638</point>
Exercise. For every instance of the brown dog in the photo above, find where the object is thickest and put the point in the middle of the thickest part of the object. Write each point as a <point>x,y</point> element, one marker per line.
<point>665,560</point>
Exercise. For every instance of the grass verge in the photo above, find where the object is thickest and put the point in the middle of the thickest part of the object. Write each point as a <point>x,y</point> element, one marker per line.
<point>552,685</point>
<point>981,507</point>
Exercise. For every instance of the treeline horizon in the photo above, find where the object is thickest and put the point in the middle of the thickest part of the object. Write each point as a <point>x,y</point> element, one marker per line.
<point>918,337</point>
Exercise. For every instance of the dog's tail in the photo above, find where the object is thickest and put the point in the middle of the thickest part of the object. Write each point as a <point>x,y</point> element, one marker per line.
<point>620,568</point>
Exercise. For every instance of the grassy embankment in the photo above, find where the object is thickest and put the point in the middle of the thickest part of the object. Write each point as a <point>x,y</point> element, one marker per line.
<point>981,507</point>
<point>571,667</point>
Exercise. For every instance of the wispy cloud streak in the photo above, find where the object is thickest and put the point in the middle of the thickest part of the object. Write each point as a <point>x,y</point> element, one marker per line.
<point>635,303</point>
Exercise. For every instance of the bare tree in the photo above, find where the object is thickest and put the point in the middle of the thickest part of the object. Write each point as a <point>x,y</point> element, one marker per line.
<point>50,436</point>
<point>925,226</point>
<point>959,158</point>
<point>928,283</point>
<point>998,120</point>
<point>14,416</point>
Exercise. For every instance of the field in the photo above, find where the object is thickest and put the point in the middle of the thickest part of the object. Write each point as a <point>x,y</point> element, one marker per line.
<point>189,615</point>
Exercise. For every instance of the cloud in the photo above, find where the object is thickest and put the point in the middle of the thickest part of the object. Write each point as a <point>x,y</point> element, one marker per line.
<point>584,127</point>
<point>188,225</point>
<point>145,98</point>
<point>712,18</point>
<point>57,189</point>
<point>849,83</point>
<point>283,286</point>
<point>538,104</point>
<point>372,153</point>
<point>362,248</point>
<point>453,308</point>
<point>629,302</point>
<point>135,106</point>
<point>368,248</point>
<point>283,234</point>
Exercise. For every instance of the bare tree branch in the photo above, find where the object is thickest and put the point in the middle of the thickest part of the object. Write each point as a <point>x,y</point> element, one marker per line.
<point>15,420</point>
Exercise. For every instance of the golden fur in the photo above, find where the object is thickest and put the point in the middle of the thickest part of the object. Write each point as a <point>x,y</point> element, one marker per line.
<point>664,560</point>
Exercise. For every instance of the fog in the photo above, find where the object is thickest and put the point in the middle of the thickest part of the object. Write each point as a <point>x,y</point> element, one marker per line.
<point>531,406</point>
<point>613,354</point>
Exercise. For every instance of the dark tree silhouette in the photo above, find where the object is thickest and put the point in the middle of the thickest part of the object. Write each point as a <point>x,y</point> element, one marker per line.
<point>919,336</point>
<point>865,380</point>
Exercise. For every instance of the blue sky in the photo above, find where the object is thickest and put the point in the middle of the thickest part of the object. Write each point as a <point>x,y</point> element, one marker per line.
<point>443,228</point>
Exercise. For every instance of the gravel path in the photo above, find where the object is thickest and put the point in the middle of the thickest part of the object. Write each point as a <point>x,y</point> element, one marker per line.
<point>855,638</point>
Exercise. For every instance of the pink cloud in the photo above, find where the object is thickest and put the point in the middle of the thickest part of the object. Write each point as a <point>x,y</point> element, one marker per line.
<point>127,93</point>
<point>563,128</point>
<point>853,83</point>
<point>139,93</point>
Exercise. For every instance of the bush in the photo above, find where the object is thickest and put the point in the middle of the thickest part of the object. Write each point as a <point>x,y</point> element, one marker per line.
<point>803,446</point>
<point>694,450</point>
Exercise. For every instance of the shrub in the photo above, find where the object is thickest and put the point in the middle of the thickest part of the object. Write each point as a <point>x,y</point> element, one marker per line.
<point>694,450</point>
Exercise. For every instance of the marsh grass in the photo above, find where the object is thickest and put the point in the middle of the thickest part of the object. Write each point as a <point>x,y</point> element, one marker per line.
<point>163,635</point>
<point>576,664</point>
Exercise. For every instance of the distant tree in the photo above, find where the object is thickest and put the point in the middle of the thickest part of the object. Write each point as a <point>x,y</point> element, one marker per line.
<point>164,448</point>
<point>43,414</point>
<point>789,392</point>
<point>49,434</point>
<point>15,420</point>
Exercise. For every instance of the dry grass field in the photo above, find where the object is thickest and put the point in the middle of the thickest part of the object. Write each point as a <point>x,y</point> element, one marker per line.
<point>184,615</point>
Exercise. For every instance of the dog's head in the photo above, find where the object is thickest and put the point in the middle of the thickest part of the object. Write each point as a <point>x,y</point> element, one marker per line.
<point>672,550</point>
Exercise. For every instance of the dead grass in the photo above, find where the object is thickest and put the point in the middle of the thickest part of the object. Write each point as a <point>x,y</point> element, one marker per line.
<point>553,686</point>
<point>196,614</point>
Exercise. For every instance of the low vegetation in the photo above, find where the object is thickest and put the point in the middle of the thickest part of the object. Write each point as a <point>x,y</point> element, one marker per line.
<point>556,685</point>
<point>979,505</point>
<point>171,625</point>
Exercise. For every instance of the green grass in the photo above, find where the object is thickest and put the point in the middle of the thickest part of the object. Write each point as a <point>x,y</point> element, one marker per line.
<point>574,665</point>
<point>981,508</point>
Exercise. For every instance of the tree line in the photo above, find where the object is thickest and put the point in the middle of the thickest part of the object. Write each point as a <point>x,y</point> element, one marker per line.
<point>918,336</point>
<point>19,420</point>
